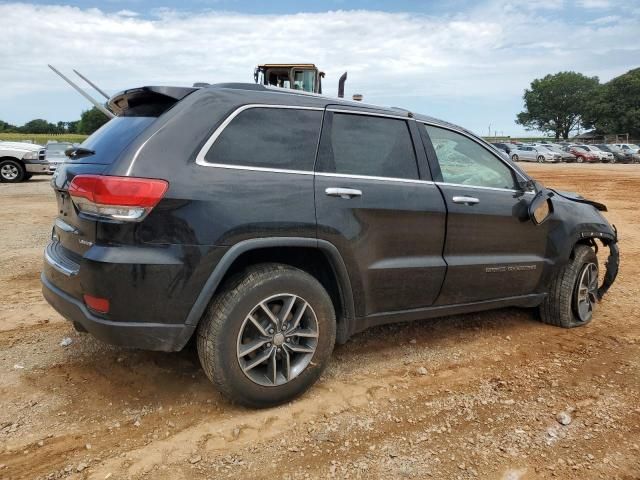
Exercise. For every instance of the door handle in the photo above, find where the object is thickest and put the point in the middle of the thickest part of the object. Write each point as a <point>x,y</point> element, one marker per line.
<point>346,193</point>
<point>466,200</point>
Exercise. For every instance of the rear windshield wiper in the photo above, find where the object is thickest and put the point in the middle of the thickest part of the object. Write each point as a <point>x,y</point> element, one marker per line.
<point>78,152</point>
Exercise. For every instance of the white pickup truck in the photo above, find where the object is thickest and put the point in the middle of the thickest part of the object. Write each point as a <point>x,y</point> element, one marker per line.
<point>19,161</point>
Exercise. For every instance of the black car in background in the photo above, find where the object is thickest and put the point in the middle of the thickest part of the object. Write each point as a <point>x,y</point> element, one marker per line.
<point>620,155</point>
<point>270,224</point>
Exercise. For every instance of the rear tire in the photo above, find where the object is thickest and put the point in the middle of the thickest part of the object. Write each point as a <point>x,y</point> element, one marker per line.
<point>236,322</point>
<point>580,159</point>
<point>514,157</point>
<point>11,171</point>
<point>540,159</point>
<point>563,306</point>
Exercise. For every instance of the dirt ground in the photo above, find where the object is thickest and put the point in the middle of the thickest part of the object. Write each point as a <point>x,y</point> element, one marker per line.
<point>473,396</point>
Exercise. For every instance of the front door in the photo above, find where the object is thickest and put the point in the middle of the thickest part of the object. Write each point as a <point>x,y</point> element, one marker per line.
<point>493,250</point>
<point>386,219</point>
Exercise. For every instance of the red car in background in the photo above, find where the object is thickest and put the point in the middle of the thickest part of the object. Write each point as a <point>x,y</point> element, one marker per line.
<point>583,155</point>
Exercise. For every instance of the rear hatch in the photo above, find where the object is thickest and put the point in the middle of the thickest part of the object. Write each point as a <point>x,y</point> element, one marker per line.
<point>74,233</point>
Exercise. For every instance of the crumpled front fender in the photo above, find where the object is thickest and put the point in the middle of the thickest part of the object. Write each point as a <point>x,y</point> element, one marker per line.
<point>612,264</point>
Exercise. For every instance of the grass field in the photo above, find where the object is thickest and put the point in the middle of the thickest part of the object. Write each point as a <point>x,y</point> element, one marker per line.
<point>42,138</point>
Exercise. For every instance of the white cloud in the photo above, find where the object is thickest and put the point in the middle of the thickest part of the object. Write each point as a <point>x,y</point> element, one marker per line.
<point>609,19</point>
<point>491,51</point>
<point>127,13</point>
<point>594,3</point>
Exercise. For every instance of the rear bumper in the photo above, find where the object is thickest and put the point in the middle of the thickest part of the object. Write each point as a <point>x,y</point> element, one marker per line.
<point>147,336</point>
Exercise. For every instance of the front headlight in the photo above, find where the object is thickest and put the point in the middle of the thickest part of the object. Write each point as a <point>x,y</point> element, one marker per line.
<point>31,156</point>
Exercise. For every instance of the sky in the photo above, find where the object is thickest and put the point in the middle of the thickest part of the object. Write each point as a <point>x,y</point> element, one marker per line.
<point>464,61</point>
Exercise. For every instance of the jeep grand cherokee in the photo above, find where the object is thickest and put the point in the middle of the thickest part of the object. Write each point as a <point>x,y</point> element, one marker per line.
<point>271,224</point>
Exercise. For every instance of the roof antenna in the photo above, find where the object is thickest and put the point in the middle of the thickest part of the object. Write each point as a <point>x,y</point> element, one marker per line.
<point>97,104</point>
<point>91,83</point>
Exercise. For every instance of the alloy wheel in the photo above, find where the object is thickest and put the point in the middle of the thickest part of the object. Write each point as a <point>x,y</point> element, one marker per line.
<point>9,172</point>
<point>277,340</point>
<point>586,292</point>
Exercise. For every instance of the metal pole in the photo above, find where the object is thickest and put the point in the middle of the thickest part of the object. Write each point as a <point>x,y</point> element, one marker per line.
<point>97,104</point>
<point>92,84</point>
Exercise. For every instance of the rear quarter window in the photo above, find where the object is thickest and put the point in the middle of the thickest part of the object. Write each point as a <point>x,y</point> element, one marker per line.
<point>269,137</point>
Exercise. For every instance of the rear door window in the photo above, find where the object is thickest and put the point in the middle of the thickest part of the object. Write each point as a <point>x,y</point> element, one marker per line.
<point>281,138</point>
<point>367,145</point>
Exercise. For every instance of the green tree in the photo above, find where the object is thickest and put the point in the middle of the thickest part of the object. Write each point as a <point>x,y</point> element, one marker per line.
<point>38,126</point>
<point>91,120</point>
<point>72,127</point>
<point>557,102</point>
<point>7,127</point>
<point>616,107</point>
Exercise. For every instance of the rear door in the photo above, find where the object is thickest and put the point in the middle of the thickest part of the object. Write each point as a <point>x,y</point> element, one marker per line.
<point>492,250</point>
<point>375,202</point>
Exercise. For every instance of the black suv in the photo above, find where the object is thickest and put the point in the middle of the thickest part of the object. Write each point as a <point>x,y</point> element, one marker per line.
<point>271,223</point>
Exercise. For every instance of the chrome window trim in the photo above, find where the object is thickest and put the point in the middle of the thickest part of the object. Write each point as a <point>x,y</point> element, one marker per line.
<point>509,190</point>
<point>459,132</point>
<point>372,177</point>
<point>370,114</point>
<point>200,158</point>
<point>257,169</point>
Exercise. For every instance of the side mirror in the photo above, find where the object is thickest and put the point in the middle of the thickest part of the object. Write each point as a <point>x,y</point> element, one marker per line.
<point>527,185</point>
<point>541,207</point>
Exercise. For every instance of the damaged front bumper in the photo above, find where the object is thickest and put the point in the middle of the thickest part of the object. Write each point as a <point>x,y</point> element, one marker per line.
<point>612,264</point>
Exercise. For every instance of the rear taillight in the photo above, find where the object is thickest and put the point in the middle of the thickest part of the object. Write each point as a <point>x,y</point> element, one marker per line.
<point>116,198</point>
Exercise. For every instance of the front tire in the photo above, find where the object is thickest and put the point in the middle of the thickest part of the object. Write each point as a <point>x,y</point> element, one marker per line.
<point>268,336</point>
<point>514,157</point>
<point>11,171</point>
<point>573,291</point>
<point>540,159</point>
<point>580,159</point>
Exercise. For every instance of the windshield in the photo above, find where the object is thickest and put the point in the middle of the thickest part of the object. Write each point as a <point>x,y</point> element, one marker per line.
<point>304,80</point>
<point>58,147</point>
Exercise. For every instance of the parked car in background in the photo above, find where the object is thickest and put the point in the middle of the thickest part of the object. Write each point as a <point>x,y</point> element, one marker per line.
<point>528,153</point>
<point>606,157</point>
<point>629,147</point>
<point>55,154</point>
<point>619,155</point>
<point>566,156</point>
<point>583,154</point>
<point>545,150</point>
<point>19,161</point>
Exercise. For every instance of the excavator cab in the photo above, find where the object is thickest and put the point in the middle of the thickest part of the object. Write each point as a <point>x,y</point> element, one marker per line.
<point>297,76</point>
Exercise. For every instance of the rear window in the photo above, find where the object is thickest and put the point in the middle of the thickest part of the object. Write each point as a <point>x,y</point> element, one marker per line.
<point>112,138</point>
<point>282,138</point>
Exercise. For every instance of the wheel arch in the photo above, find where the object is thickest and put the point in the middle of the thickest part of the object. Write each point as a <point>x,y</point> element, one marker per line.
<point>319,258</point>
<point>15,159</point>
